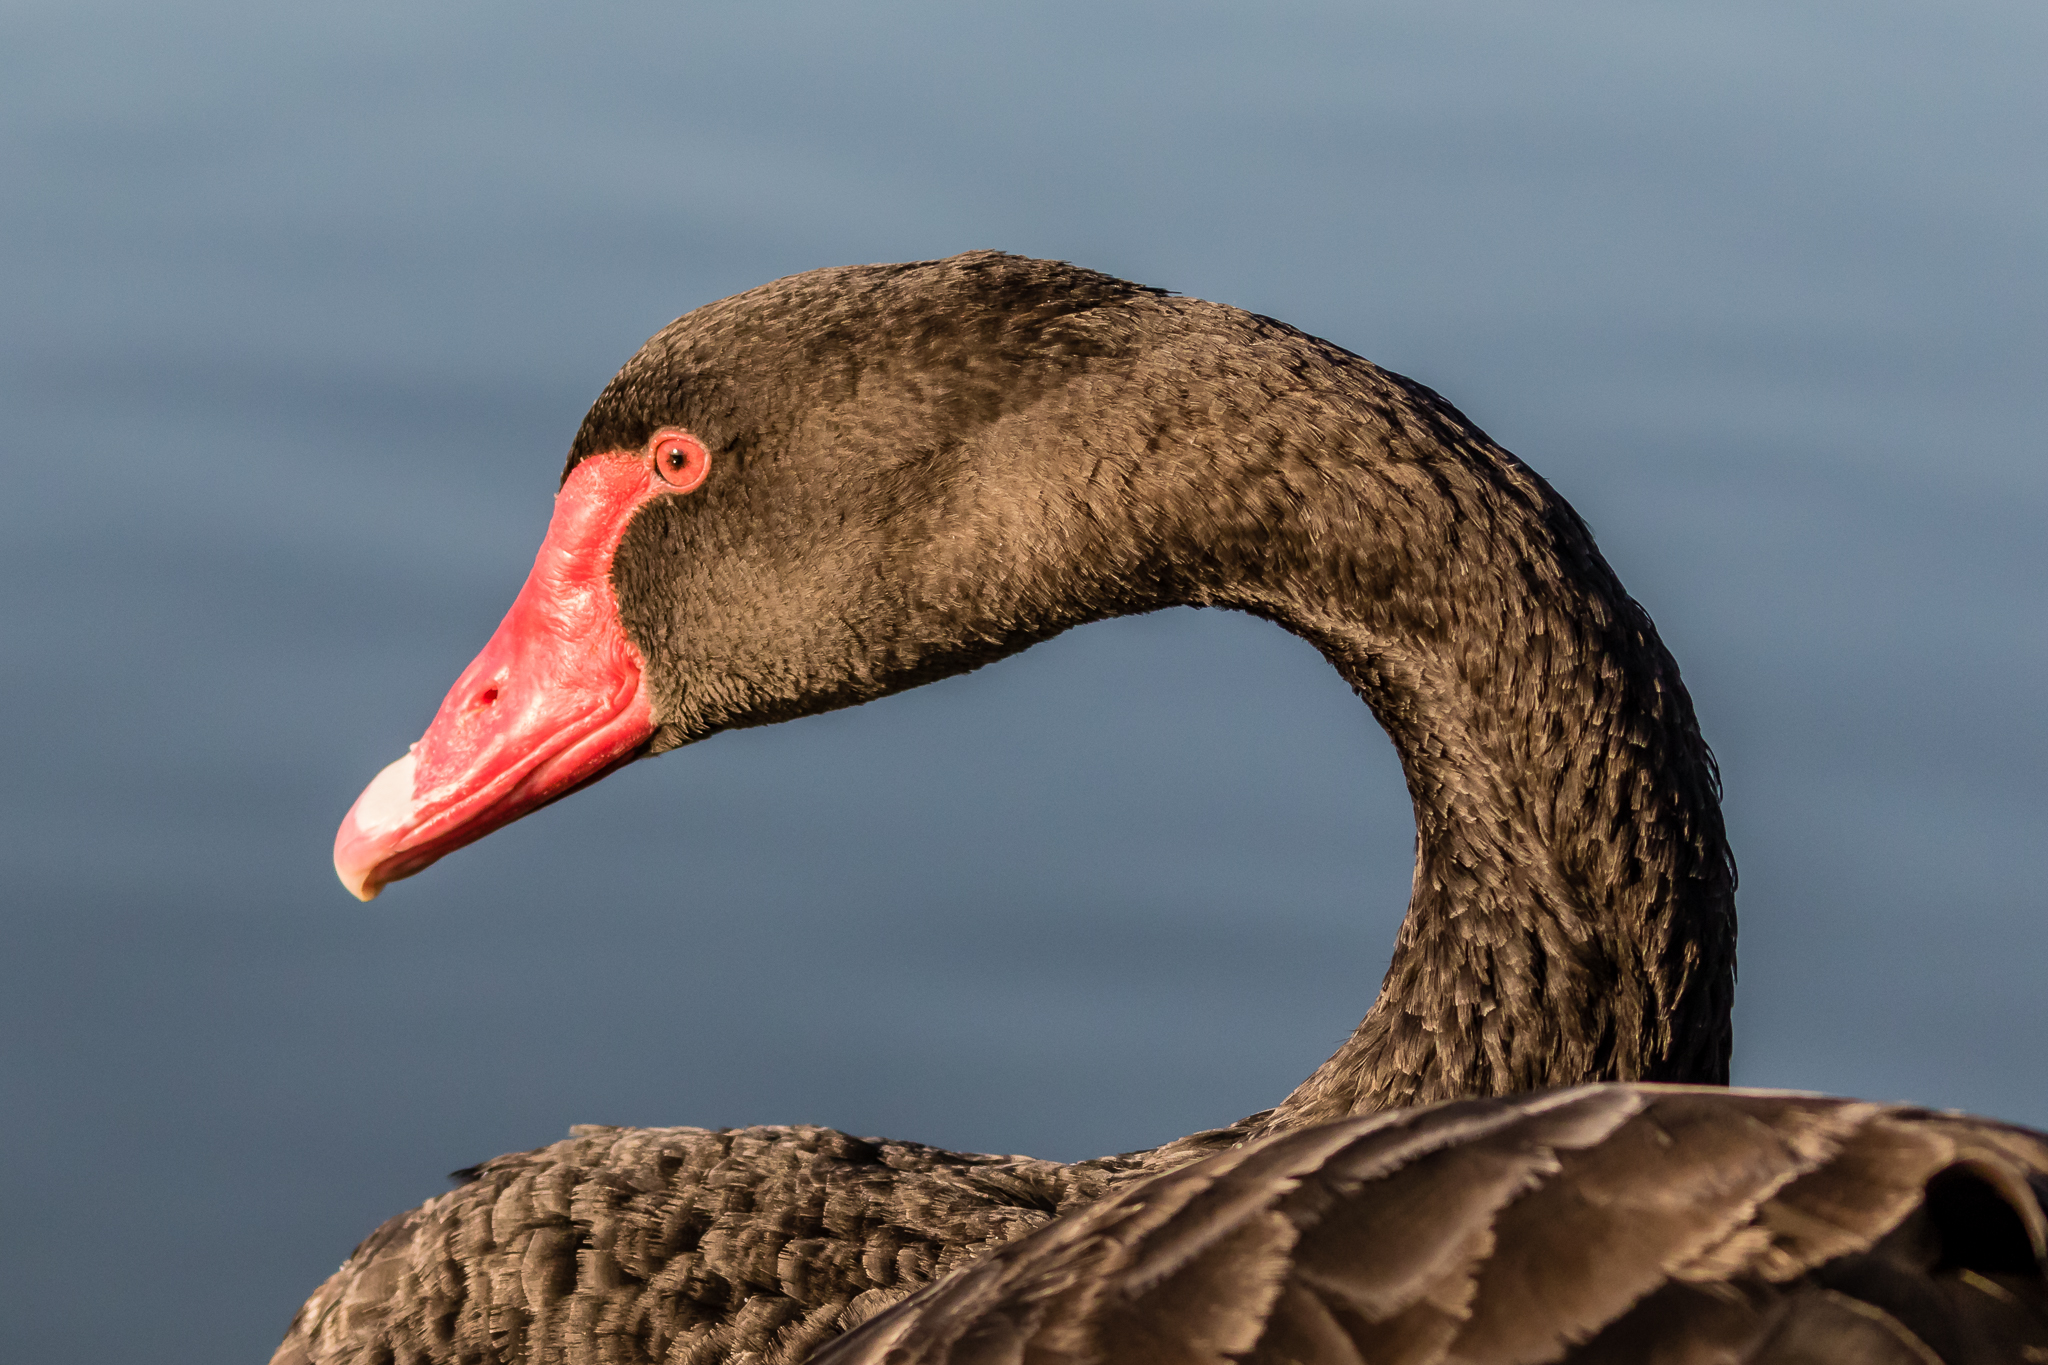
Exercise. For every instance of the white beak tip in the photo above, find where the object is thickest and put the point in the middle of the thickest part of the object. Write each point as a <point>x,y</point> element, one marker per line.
<point>373,828</point>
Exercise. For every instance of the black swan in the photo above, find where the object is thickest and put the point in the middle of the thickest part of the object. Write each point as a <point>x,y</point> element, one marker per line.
<point>853,481</point>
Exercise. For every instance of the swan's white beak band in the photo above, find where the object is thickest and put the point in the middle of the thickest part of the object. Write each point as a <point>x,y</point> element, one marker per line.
<point>557,699</point>
<point>384,809</point>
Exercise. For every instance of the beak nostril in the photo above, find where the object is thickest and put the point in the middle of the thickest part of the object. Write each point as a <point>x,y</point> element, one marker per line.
<point>487,696</point>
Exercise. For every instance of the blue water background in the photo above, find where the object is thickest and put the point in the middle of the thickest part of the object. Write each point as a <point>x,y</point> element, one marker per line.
<point>302,306</point>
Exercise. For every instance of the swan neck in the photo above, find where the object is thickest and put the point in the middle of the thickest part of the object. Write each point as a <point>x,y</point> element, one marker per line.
<point>1572,916</point>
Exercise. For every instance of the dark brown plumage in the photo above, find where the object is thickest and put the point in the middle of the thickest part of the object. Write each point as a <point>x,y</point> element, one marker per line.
<point>1622,1224</point>
<point>919,469</point>
<point>924,468</point>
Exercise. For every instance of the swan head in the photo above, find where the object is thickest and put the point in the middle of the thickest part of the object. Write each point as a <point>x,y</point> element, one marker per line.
<point>836,486</point>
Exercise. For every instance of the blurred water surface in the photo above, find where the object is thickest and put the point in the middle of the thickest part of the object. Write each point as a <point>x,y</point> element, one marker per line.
<point>303,307</point>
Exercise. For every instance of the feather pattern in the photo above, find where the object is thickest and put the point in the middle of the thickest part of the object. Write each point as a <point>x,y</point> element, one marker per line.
<point>673,1244</point>
<point>918,469</point>
<point>1607,1223</point>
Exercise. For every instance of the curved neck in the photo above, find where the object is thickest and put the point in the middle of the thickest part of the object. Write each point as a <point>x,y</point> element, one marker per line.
<point>1572,916</point>
<point>1573,909</point>
<point>993,463</point>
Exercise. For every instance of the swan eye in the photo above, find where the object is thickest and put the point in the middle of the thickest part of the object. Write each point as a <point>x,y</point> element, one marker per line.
<point>680,459</point>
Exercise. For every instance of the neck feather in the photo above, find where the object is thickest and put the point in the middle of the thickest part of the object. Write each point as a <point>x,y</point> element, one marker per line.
<point>1573,914</point>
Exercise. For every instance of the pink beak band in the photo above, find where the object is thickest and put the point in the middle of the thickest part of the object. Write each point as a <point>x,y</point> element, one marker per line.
<point>557,699</point>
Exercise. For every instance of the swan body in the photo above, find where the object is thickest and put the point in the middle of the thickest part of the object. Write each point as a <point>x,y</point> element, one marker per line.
<point>854,481</point>
<point>1601,1223</point>
<point>1611,1222</point>
<point>659,1244</point>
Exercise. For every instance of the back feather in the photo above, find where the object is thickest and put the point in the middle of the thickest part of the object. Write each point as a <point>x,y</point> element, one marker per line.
<point>1615,1224</point>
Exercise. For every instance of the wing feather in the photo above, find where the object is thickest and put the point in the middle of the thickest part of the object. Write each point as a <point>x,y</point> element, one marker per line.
<point>1654,1225</point>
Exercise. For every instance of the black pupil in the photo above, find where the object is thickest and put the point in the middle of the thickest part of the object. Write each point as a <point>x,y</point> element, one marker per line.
<point>675,459</point>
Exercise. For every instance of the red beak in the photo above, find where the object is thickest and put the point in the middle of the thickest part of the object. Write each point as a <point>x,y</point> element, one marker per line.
<point>557,699</point>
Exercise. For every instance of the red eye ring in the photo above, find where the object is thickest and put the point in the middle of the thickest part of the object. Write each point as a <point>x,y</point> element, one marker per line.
<point>679,458</point>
